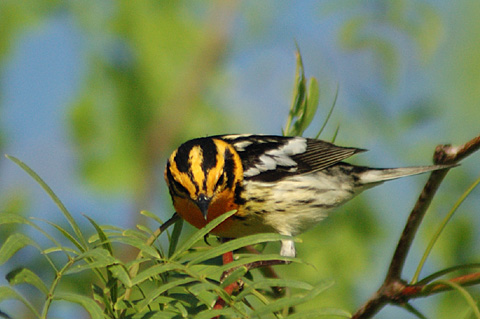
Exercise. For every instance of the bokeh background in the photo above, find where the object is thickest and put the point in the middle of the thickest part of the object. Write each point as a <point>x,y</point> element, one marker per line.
<point>94,95</point>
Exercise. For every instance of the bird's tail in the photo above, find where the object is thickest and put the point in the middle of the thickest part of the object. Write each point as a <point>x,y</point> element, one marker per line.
<point>378,175</point>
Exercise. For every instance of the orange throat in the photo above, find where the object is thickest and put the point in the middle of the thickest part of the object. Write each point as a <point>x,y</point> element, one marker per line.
<point>220,204</point>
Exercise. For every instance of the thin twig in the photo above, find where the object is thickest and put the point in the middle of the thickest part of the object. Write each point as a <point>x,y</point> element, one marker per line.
<point>393,289</point>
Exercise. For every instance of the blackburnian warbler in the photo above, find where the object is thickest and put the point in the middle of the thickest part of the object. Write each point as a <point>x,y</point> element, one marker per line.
<point>275,183</point>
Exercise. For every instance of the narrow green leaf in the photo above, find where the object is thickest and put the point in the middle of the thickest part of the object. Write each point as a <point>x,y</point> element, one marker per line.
<point>443,272</point>
<point>151,215</point>
<point>298,95</point>
<point>100,297</point>
<point>14,243</point>
<point>11,218</point>
<point>7,293</point>
<point>268,283</point>
<point>199,234</point>
<point>66,250</point>
<point>440,229</point>
<point>94,258</point>
<point>328,115</point>
<point>87,303</point>
<point>413,311</point>
<point>26,276</point>
<point>246,260</point>
<point>7,218</point>
<point>145,231</point>
<point>53,196</point>
<point>157,270</point>
<point>65,233</point>
<point>119,272</point>
<point>214,313</point>
<point>465,294</point>
<point>177,230</point>
<point>161,314</point>
<point>135,234</point>
<point>203,292</point>
<point>321,313</point>
<point>239,243</point>
<point>313,97</point>
<point>103,238</point>
<point>335,134</point>
<point>234,276</point>
<point>292,301</point>
<point>137,243</point>
<point>157,292</point>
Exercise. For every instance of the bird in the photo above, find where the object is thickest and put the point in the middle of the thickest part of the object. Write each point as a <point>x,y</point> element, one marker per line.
<point>279,184</point>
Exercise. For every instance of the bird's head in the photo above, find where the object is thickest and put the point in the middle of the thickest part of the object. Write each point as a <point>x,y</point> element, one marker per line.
<point>202,176</point>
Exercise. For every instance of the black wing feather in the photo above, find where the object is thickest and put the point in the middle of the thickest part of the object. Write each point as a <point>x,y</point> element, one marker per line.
<point>315,156</point>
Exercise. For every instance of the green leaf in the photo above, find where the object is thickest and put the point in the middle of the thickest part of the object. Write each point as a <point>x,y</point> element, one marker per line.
<point>440,229</point>
<point>157,270</point>
<point>465,294</point>
<point>53,196</point>
<point>201,233</point>
<point>313,96</point>
<point>239,243</point>
<point>7,218</point>
<point>14,243</point>
<point>65,233</point>
<point>103,238</point>
<point>135,234</point>
<point>94,258</point>
<point>87,303</point>
<point>234,276</point>
<point>157,292</point>
<point>246,260</point>
<point>298,96</point>
<point>26,276</point>
<point>151,216</point>
<point>103,299</point>
<point>119,272</point>
<point>7,293</point>
<point>443,272</point>
<point>177,230</point>
<point>328,117</point>
<point>203,293</point>
<point>330,312</point>
<point>214,313</point>
<point>292,301</point>
<point>11,218</point>
<point>274,282</point>
<point>137,243</point>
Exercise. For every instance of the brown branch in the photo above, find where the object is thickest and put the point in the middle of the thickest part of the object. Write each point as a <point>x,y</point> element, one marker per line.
<point>393,289</point>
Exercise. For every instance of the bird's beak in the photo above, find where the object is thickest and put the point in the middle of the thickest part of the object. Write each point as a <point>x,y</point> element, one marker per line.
<point>203,202</point>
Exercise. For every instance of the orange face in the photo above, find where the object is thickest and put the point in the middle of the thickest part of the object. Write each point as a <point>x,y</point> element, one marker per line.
<point>221,203</point>
<point>204,172</point>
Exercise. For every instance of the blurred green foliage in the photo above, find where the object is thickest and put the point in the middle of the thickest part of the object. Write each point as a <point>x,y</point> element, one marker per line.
<point>149,67</point>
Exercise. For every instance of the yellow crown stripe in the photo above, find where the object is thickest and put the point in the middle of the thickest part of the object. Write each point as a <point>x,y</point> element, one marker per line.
<point>181,177</point>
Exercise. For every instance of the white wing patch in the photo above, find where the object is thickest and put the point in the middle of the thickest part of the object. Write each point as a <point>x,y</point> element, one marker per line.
<point>240,146</point>
<point>279,157</point>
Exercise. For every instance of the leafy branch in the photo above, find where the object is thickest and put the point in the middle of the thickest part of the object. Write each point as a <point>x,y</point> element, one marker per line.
<point>396,291</point>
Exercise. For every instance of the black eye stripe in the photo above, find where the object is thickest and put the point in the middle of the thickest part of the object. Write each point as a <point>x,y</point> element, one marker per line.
<point>178,187</point>
<point>220,181</point>
<point>229,168</point>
